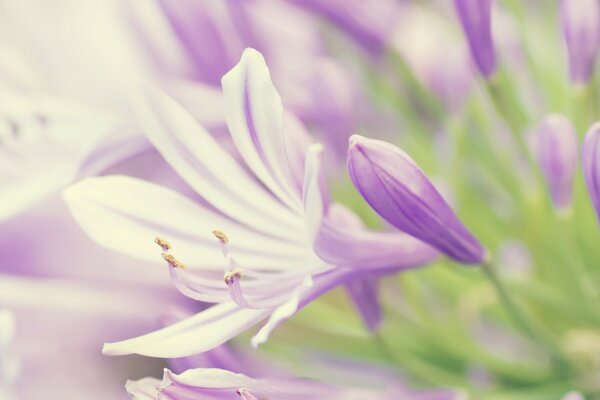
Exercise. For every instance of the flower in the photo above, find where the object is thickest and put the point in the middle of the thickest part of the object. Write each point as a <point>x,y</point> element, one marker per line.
<point>556,150</point>
<point>398,190</point>
<point>476,20</point>
<point>212,383</point>
<point>284,243</point>
<point>591,164</point>
<point>580,20</point>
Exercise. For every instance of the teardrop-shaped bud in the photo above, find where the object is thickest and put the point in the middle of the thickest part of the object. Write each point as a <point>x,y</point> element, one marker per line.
<point>398,190</point>
<point>580,20</point>
<point>476,20</point>
<point>556,150</point>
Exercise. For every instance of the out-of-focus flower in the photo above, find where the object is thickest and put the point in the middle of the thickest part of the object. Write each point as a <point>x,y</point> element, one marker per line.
<point>580,20</point>
<point>221,384</point>
<point>272,219</point>
<point>425,40</point>
<point>556,149</point>
<point>45,312</point>
<point>394,185</point>
<point>47,142</point>
<point>591,164</point>
<point>44,131</point>
<point>476,20</point>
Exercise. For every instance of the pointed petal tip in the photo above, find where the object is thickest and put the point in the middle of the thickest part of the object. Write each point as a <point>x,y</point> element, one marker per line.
<point>356,140</point>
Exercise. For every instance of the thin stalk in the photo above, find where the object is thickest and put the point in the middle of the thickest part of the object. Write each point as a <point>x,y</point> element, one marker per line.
<point>519,318</point>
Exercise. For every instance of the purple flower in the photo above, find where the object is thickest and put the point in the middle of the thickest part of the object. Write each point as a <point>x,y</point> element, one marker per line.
<point>580,20</point>
<point>556,149</point>
<point>281,242</point>
<point>216,384</point>
<point>398,190</point>
<point>591,164</point>
<point>475,17</point>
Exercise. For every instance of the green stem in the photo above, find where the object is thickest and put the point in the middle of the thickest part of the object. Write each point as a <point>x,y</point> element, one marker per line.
<point>516,314</point>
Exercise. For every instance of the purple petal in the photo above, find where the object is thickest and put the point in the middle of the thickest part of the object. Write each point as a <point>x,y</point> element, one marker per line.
<point>364,294</point>
<point>207,167</point>
<point>580,20</point>
<point>397,189</point>
<point>254,115</point>
<point>556,149</point>
<point>204,331</point>
<point>475,17</point>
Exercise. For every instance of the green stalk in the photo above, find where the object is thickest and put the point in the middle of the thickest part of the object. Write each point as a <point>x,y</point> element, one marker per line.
<point>519,318</point>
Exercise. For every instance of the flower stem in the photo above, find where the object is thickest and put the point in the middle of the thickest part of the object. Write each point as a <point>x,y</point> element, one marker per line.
<point>516,314</point>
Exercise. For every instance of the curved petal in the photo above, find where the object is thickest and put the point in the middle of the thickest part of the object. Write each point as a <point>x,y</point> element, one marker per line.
<point>204,331</point>
<point>126,214</point>
<point>313,197</point>
<point>254,115</point>
<point>207,168</point>
<point>365,249</point>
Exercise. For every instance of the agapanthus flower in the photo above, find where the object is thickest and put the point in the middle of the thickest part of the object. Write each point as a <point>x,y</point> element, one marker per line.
<point>398,190</point>
<point>284,242</point>
<point>476,20</point>
<point>591,164</point>
<point>221,384</point>
<point>556,149</point>
<point>580,20</point>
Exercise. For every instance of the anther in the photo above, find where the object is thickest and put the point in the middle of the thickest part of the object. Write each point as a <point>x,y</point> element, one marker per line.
<point>164,245</point>
<point>231,275</point>
<point>173,262</point>
<point>221,236</point>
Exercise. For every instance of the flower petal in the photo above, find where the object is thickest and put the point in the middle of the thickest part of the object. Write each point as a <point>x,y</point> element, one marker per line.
<point>125,214</point>
<point>207,168</point>
<point>364,295</point>
<point>254,116</point>
<point>204,331</point>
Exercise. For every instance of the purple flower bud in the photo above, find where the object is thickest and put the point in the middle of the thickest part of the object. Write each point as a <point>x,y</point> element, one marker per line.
<point>580,20</point>
<point>476,17</point>
<point>398,190</point>
<point>556,149</point>
<point>591,164</point>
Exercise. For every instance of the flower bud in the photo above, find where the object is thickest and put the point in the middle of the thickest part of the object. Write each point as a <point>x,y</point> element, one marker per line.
<point>580,20</point>
<point>398,190</point>
<point>591,164</point>
<point>556,150</point>
<point>476,17</point>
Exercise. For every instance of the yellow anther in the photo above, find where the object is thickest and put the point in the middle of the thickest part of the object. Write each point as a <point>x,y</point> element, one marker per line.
<point>221,236</point>
<point>162,243</point>
<point>173,262</point>
<point>231,275</point>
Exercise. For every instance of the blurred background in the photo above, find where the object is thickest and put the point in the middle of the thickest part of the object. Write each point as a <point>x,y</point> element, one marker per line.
<point>406,71</point>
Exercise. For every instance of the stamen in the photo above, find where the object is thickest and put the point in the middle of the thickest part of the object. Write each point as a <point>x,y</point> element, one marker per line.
<point>231,275</point>
<point>221,236</point>
<point>173,262</point>
<point>164,245</point>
